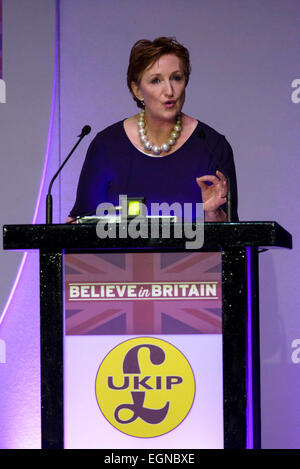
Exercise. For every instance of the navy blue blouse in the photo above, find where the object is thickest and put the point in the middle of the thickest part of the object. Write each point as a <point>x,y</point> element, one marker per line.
<point>114,166</point>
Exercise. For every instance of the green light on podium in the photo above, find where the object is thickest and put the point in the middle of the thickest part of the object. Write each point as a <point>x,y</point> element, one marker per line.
<point>134,208</point>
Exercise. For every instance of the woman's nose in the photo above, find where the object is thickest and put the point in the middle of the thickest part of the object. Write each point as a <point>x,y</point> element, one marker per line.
<point>168,89</point>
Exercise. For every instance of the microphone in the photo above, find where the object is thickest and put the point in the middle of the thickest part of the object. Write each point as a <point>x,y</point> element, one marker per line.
<point>85,131</point>
<point>201,134</point>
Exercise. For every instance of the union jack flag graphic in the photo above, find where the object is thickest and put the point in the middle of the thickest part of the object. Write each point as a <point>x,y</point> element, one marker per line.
<point>167,293</point>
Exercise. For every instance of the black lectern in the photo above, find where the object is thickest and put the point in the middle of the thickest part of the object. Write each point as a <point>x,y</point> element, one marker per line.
<point>239,244</point>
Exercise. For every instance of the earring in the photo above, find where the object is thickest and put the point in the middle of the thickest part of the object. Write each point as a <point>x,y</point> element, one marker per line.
<point>142,102</point>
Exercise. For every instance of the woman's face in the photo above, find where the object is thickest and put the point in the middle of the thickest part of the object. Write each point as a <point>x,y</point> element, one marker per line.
<point>162,87</point>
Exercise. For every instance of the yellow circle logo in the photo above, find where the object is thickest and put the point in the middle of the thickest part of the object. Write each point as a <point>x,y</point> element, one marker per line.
<point>145,387</point>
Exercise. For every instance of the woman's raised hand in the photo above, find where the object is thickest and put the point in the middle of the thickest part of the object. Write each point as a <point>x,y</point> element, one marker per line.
<point>215,194</point>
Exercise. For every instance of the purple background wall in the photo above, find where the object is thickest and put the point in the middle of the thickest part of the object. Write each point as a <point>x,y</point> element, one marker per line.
<point>245,59</point>
<point>28,70</point>
<point>0,38</point>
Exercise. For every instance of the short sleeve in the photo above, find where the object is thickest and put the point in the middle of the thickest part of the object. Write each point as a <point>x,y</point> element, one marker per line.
<point>225,160</point>
<point>92,185</point>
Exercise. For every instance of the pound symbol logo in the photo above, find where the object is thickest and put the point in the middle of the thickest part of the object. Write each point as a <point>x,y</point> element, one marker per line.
<point>145,387</point>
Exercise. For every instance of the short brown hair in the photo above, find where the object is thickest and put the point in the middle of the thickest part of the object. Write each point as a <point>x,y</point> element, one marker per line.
<point>145,52</point>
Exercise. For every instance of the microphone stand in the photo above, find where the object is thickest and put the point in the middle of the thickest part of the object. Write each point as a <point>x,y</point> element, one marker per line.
<point>85,131</point>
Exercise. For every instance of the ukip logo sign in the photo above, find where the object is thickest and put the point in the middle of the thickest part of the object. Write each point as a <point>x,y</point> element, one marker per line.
<point>145,387</point>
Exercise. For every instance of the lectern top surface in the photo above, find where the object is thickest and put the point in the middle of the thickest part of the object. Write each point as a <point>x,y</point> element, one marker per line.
<point>58,237</point>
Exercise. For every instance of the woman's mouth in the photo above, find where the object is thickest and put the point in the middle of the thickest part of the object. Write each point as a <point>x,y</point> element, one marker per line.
<point>169,104</point>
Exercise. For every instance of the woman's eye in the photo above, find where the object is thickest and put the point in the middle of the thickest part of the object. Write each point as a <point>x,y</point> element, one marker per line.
<point>156,80</point>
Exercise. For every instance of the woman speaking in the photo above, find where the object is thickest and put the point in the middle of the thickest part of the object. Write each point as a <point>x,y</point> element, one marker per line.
<point>160,153</point>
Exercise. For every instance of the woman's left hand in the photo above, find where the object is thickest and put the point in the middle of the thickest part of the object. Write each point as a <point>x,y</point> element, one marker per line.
<point>214,195</point>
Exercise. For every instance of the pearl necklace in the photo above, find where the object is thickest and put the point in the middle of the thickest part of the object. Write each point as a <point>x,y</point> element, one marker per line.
<point>156,149</point>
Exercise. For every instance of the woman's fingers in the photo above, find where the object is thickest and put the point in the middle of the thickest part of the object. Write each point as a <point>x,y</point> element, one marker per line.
<point>208,178</point>
<point>218,183</point>
<point>217,189</point>
<point>221,176</point>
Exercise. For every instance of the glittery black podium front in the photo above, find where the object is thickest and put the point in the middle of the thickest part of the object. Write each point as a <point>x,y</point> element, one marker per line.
<point>239,244</point>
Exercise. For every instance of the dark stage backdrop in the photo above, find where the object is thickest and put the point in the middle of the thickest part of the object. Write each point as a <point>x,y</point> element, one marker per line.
<point>63,66</point>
